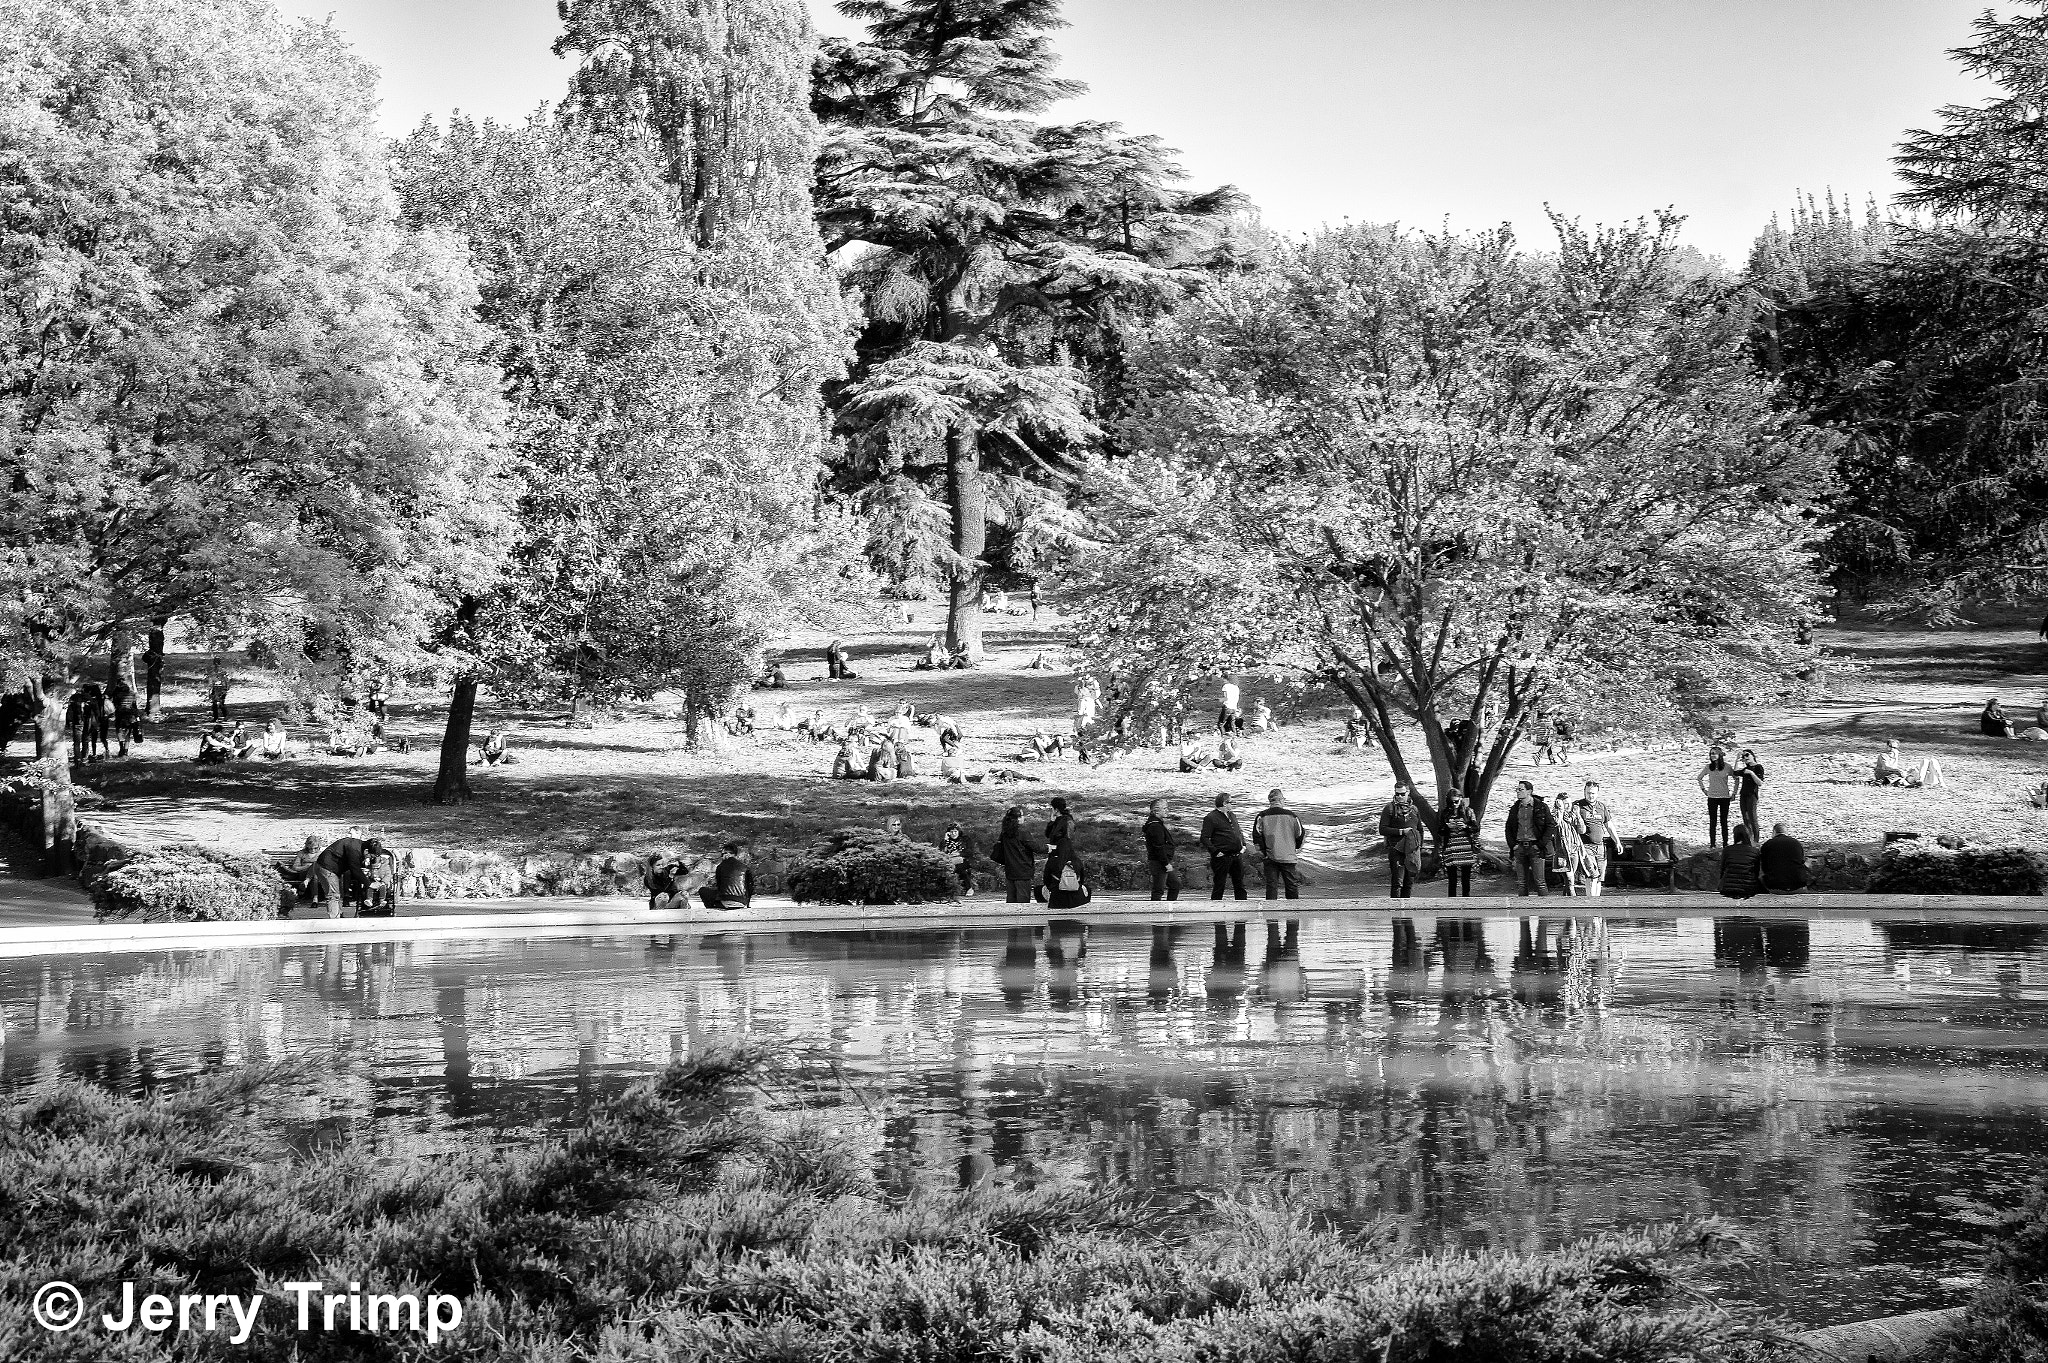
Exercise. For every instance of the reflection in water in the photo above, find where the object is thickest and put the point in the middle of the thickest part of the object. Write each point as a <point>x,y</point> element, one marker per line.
<point>1851,1094</point>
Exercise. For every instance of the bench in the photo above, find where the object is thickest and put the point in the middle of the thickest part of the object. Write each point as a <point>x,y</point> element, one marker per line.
<point>1643,865</point>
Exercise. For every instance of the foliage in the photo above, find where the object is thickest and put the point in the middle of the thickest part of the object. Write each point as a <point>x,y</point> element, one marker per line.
<point>664,364</point>
<point>1459,481</point>
<point>868,866</point>
<point>981,240</point>
<point>233,387</point>
<point>1989,163</point>
<point>2007,1320</point>
<point>1909,868</point>
<point>190,884</point>
<point>685,1222</point>
<point>1927,357</point>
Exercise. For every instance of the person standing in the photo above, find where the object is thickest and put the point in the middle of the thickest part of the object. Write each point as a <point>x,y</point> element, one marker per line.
<point>1060,829</point>
<point>1279,836</point>
<point>1739,866</point>
<point>1087,701</point>
<point>1401,832</point>
<point>1564,847</point>
<point>341,871</point>
<point>1529,835</point>
<point>1013,853</point>
<point>1591,825</point>
<point>1230,719</point>
<point>217,688</point>
<point>1749,795</point>
<point>127,713</point>
<point>1718,782</point>
<point>1781,862</point>
<point>1034,602</point>
<point>1159,854</point>
<point>1457,848</point>
<point>1223,840</point>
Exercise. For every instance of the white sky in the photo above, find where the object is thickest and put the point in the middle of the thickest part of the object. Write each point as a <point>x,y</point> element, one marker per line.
<point>1421,111</point>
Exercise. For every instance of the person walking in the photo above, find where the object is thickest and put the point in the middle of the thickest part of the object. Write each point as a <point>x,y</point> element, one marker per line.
<point>1159,854</point>
<point>1781,862</point>
<point>1739,866</point>
<point>1279,836</point>
<point>1749,795</point>
<point>1013,853</point>
<point>1530,832</point>
<point>1457,846</point>
<point>1401,833</point>
<point>1223,840</point>
<point>1591,824</point>
<point>1718,782</point>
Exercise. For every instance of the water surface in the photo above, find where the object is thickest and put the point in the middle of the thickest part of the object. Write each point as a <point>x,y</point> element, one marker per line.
<point>1858,1097</point>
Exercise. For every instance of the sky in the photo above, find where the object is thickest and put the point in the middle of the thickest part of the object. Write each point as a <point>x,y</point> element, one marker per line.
<point>1428,112</point>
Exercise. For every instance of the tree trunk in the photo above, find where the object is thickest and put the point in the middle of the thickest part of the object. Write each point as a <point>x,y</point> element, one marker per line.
<point>451,786</point>
<point>968,494</point>
<point>153,672</point>
<point>60,807</point>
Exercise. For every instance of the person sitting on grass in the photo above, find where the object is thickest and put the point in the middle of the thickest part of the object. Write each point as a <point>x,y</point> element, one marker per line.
<point>1041,746</point>
<point>1891,770</point>
<point>1739,866</point>
<point>950,734</point>
<point>1194,754</point>
<point>1993,722</point>
<point>906,764</point>
<point>732,883</point>
<point>935,658</point>
<point>494,751</point>
<point>241,742</point>
<point>845,767</point>
<point>1229,757</point>
<point>882,762</point>
<point>959,657</point>
<point>214,746</point>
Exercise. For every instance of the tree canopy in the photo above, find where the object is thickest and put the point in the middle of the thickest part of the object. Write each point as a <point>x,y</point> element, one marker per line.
<point>979,239</point>
<point>1458,481</point>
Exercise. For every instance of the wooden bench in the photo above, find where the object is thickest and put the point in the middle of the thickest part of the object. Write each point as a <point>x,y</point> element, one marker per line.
<point>1646,871</point>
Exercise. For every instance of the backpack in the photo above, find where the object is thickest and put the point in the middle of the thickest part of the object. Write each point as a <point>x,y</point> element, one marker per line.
<point>1069,878</point>
<point>1655,847</point>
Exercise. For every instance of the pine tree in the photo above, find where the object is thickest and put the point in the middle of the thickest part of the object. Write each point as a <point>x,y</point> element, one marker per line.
<point>993,254</point>
<point>1989,162</point>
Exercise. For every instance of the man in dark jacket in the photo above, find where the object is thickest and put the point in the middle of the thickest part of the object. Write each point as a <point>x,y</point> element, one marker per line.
<point>343,871</point>
<point>1013,852</point>
<point>1159,854</point>
<point>1781,865</point>
<point>1530,832</point>
<point>732,880</point>
<point>1279,835</point>
<point>1223,840</point>
<point>1401,831</point>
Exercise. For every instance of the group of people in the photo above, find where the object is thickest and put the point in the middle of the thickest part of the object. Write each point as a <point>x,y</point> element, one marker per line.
<point>239,743</point>
<point>100,718</point>
<point>1063,884</point>
<point>352,876</point>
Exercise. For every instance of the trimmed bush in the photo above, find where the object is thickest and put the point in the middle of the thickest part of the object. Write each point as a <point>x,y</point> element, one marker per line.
<point>190,885</point>
<point>868,866</point>
<point>698,1219</point>
<point>1914,868</point>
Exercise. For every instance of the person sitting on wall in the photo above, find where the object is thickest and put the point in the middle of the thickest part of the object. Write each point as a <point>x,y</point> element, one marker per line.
<point>732,883</point>
<point>1781,862</point>
<point>1739,866</point>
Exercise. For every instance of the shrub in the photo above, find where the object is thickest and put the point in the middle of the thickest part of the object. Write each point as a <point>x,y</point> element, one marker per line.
<point>191,885</point>
<point>688,1222</point>
<point>868,866</point>
<point>1913,868</point>
<point>2007,1320</point>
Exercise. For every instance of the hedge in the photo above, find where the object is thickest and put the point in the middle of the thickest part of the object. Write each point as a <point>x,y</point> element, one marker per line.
<point>191,885</point>
<point>1912,868</point>
<point>869,866</point>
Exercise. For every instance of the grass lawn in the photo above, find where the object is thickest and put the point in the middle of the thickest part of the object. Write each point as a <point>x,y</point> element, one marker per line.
<point>624,785</point>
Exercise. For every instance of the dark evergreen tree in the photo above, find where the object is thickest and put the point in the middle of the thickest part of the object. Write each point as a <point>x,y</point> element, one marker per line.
<point>1989,163</point>
<point>1001,262</point>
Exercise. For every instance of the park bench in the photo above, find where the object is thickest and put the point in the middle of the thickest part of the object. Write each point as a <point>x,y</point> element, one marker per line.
<point>1645,861</point>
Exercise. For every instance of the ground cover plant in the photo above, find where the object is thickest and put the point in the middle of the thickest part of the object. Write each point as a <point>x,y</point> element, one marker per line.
<point>698,1217</point>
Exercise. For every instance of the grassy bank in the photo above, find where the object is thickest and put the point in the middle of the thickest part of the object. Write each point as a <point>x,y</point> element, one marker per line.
<point>701,1218</point>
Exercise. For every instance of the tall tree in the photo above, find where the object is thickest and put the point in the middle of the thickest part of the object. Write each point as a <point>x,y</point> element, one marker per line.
<point>980,239</point>
<point>1988,164</point>
<point>665,320</point>
<point>231,387</point>
<point>1457,481</point>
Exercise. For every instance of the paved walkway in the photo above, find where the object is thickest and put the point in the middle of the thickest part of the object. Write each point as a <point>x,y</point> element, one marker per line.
<point>74,932</point>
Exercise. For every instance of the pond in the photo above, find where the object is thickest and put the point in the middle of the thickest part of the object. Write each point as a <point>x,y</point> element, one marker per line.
<point>1859,1097</point>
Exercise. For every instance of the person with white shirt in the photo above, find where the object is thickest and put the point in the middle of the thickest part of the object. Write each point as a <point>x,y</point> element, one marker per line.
<point>1230,718</point>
